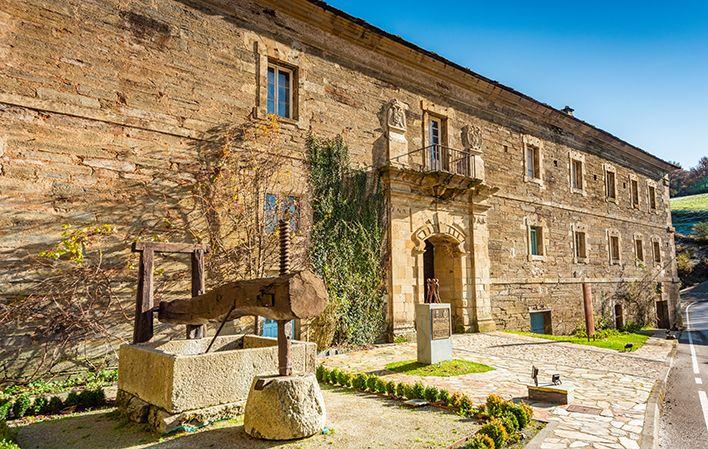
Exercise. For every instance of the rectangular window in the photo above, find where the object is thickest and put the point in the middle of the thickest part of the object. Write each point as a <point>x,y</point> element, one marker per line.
<point>434,131</point>
<point>652,197</point>
<point>533,162</point>
<point>576,174</point>
<point>291,211</point>
<point>614,249</point>
<point>639,248</point>
<point>270,213</point>
<point>580,250</point>
<point>634,185</point>
<point>657,251</point>
<point>279,100</point>
<point>610,185</point>
<point>536,240</point>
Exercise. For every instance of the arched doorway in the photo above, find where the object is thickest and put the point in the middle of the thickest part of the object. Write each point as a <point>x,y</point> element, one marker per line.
<point>442,260</point>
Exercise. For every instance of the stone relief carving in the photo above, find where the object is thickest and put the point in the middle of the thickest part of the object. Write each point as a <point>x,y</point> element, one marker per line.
<point>396,114</point>
<point>472,137</point>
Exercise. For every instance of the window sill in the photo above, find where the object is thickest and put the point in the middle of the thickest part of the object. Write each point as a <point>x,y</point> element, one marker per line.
<point>615,262</point>
<point>581,260</point>
<point>537,258</point>
<point>611,200</point>
<point>578,191</point>
<point>537,181</point>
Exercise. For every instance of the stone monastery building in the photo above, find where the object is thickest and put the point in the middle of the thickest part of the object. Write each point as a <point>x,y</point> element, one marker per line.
<point>510,203</point>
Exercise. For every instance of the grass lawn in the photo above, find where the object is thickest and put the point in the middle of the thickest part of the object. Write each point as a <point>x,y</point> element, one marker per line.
<point>692,202</point>
<point>616,342</point>
<point>443,369</point>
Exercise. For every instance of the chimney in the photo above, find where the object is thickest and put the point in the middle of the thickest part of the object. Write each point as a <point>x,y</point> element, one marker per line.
<point>568,110</point>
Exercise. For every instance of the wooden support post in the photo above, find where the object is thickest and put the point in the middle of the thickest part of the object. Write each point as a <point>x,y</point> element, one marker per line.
<point>589,314</point>
<point>198,288</point>
<point>144,302</point>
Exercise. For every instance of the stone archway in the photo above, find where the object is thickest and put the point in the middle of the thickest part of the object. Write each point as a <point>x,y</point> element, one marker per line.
<point>442,260</point>
<point>440,251</point>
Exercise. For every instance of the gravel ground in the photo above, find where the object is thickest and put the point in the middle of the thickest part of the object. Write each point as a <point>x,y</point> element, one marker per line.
<point>356,420</point>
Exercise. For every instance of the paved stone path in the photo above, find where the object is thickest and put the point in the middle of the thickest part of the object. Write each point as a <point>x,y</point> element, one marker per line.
<point>618,384</point>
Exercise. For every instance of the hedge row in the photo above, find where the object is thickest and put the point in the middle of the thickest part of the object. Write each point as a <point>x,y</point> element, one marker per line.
<point>23,405</point>
<point>502,419</point>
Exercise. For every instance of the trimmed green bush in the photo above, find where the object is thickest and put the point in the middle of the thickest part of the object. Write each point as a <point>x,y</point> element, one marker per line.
<point>479,442</point>
<point>391,388</point>
<point>401,389</point>
<point>495,430</point>
<point>55,405</point>
<point>72,399</point>
<point>21,405</point>
<point>342,378</point>
<point>381,386</point>
<point>333,375</point>
<point>320,373</point>
<point>455,401</point>
<point>444,397</point>
<point>371,383</point>
<point>430,394</point>
<point>466,406</point>
<point>519,413</point>
<point>359,381</point>
<point>40,406</point>
<point>488,442</point>
<point>92,398</point>
<point>495,405</point>
<point>417,391</point>
<point>511,425</point>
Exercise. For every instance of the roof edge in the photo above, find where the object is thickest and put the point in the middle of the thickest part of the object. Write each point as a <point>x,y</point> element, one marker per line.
<point>658,162</point>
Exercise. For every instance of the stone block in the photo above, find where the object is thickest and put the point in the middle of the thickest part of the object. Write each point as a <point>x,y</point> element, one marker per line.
<point>177,376</point>
<point>431,348</point>
<point>552,394</point>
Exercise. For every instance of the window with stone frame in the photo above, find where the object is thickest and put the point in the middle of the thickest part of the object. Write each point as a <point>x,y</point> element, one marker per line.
<point>639,249</point>
<point>270,213</point>
<point>533,162</point>
<point>576,175</point>
<point>651,191</point>
<point>610,184</point>
<point>656,249</point>
<point>580,246</point>
<point>634,192</point>
<point>613,246</point>
<point>533,159</point>
<point>536,241</point>
<point>281,91</point>
<point>291,212</point>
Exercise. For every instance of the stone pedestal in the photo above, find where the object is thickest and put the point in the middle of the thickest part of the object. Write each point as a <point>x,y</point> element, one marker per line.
<point>552,394</point>
<point>434,328</point>
<point>284,407</point>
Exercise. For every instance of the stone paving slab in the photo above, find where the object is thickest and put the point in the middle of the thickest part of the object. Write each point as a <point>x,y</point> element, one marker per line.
<point>617,383</point>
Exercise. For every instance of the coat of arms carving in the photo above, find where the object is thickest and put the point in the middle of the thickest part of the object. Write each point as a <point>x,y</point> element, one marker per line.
<point>472,137</point>
<point>396,114</point>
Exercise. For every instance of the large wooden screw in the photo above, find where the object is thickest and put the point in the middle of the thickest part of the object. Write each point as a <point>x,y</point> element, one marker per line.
<point>284,366</point>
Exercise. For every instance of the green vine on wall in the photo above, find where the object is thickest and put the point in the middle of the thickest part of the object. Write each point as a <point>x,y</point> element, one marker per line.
<point>347,241</point>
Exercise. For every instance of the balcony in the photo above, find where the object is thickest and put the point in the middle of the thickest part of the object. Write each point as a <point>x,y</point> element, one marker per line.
<point>442,171</point>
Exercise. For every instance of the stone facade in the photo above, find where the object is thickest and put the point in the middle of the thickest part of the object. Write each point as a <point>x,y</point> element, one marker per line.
<point>106,108</point>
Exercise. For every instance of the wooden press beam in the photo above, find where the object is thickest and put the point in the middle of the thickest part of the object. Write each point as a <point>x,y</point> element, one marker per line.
<point>143,326</point>
<point>297,295</point>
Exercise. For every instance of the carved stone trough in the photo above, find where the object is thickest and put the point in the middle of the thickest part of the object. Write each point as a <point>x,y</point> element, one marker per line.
<point>174,383</point>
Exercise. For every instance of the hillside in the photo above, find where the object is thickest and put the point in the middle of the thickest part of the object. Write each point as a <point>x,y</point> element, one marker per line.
<point>686,211</point>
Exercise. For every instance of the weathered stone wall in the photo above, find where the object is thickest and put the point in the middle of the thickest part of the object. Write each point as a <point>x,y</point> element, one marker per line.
<point>109,111</point>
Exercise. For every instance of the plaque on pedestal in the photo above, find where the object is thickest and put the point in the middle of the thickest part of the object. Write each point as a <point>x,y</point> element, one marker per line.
<point>434,327</point>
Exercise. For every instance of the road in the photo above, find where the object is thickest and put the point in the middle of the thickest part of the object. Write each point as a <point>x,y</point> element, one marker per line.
<point>684,420</point>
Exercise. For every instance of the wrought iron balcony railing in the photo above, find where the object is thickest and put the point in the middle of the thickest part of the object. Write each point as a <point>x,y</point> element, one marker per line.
<point>440,158</point>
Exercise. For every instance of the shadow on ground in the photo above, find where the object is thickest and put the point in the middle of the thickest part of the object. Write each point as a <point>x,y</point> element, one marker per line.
<point>351,415</point>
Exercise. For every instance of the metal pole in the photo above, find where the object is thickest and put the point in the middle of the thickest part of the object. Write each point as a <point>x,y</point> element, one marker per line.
<point>284,366</point>
<point>587,305</point>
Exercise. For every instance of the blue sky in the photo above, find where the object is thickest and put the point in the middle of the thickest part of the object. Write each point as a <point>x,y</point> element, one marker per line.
<point>636,69</point>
